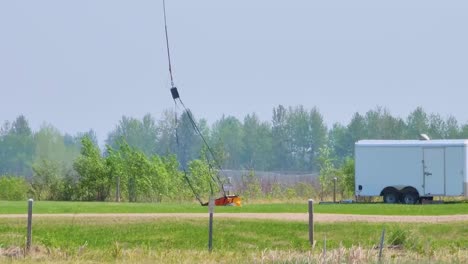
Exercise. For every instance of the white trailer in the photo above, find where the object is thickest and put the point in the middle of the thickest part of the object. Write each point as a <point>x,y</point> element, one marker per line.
<point>409,170</point>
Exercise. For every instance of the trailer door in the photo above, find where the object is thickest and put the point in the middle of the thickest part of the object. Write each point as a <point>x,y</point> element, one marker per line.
<point>434,171</point>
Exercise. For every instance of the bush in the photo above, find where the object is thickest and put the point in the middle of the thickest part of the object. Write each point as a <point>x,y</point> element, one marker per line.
<point>13,188</point>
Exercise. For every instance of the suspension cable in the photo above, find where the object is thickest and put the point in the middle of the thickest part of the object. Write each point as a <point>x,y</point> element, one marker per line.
<point>175,96</point>
<point>167,44</point>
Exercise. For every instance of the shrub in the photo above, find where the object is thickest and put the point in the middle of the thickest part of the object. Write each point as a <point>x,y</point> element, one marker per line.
<point>13,188</point>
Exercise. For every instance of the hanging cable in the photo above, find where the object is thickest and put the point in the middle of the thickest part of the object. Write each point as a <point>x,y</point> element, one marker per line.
<point>167,46</point>
<point>176,97</point>
<point>210,150</point>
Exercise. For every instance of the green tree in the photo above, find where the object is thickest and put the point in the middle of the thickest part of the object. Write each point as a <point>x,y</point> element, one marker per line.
<point>177,188</point>
<point>436,126</point>
<point>50,145</point>
<point>228,131</point>
<point>116,168</point>
<point>417,123</point>
<point>16,147</point>
<point>201,178</point>
<point>282,144</point>
<point>347,172</point>
<point>381,124</point>
<point>452,129</point>
<point>339,142</point>
<point>327,170</point>
<point>94,179</point>
<point>257,142</point>
<point>343,138</point>
<point>189,142</point>
<point>166,134</point>
<point>307,133</point>
<point>464,131</point>
<point>318,135</point>
<point>47,182</point>
<point>141,134</point>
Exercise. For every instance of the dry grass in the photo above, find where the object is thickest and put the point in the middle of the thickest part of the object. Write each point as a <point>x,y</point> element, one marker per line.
<point>340,255</point>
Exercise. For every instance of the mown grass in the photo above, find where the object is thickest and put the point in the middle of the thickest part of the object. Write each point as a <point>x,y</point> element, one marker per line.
<point>47,207</point>
<point>114,238</point>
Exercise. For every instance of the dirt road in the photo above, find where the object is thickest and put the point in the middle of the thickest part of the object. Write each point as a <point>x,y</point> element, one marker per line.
<point>320,218</point>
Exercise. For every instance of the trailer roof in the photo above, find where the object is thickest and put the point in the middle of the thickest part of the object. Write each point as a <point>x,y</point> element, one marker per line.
<point>415,143</point>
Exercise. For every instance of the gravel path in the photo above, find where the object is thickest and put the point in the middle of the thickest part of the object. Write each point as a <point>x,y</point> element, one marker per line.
<point>320,218</point>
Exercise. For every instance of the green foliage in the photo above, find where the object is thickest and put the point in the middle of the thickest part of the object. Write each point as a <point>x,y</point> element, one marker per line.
<point>140,134</point>
<point>297,136</point>
<point>327,171</point>
<point>417,122</point>
<point>281,141</point>
<point>16,147</point>
<point>251,188</point>
<point>290,193</point>
<point>177,188</point>
<point>95,180</point>
<point>257,143</point>
<point>166,136</point>
<point>142,178</point>
<point>50,145</point>
<point>189,143</point>
<point>276,191</point>
<point>347,172</point>
<point>47,180</point>
<point>135,172</point>
<point>228,131</point>
<point>294,140</point>
<point>304,190</point>
<point>201,176</point>
<point>13,188</point>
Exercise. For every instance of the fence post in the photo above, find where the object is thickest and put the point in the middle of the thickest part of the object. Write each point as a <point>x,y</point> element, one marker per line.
<point>311,222</point>
<point>381,244</point>
<point>117,190</point>
<point>29,235</point>
<point>324,257</point>
<point>334,189</point>
<point>210,227</point>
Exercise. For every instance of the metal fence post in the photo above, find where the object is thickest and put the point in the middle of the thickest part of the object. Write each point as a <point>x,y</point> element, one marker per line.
<point>381,245</point>
<point>311,222</point>
<point>29,235</point>
<point>334,189</point>
<point>210,228</point>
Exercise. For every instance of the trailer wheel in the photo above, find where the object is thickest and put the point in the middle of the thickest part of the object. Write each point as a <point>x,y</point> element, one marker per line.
<point>391,197</point>
<point>410,198</point>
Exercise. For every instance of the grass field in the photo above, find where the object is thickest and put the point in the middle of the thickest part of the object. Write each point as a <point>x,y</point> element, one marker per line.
<point>109,239</point>
<point>46,207</point>
<point>184,240</point>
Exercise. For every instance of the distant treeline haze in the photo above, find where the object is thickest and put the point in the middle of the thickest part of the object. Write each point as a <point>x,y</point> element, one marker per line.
<point>143,155</point>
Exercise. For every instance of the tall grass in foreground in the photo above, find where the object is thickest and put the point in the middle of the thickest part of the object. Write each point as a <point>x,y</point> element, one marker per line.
<point>340,255</point>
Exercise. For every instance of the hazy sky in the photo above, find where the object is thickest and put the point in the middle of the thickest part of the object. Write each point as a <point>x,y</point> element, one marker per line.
<point>83,64</point>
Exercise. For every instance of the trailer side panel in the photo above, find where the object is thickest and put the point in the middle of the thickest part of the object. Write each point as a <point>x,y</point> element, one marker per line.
<point>454,170</point>
<point>379,167</point>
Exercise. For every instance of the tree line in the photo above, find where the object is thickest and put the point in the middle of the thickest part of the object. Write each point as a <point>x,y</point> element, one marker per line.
<point>148,159</point>
<point>289,142</point>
